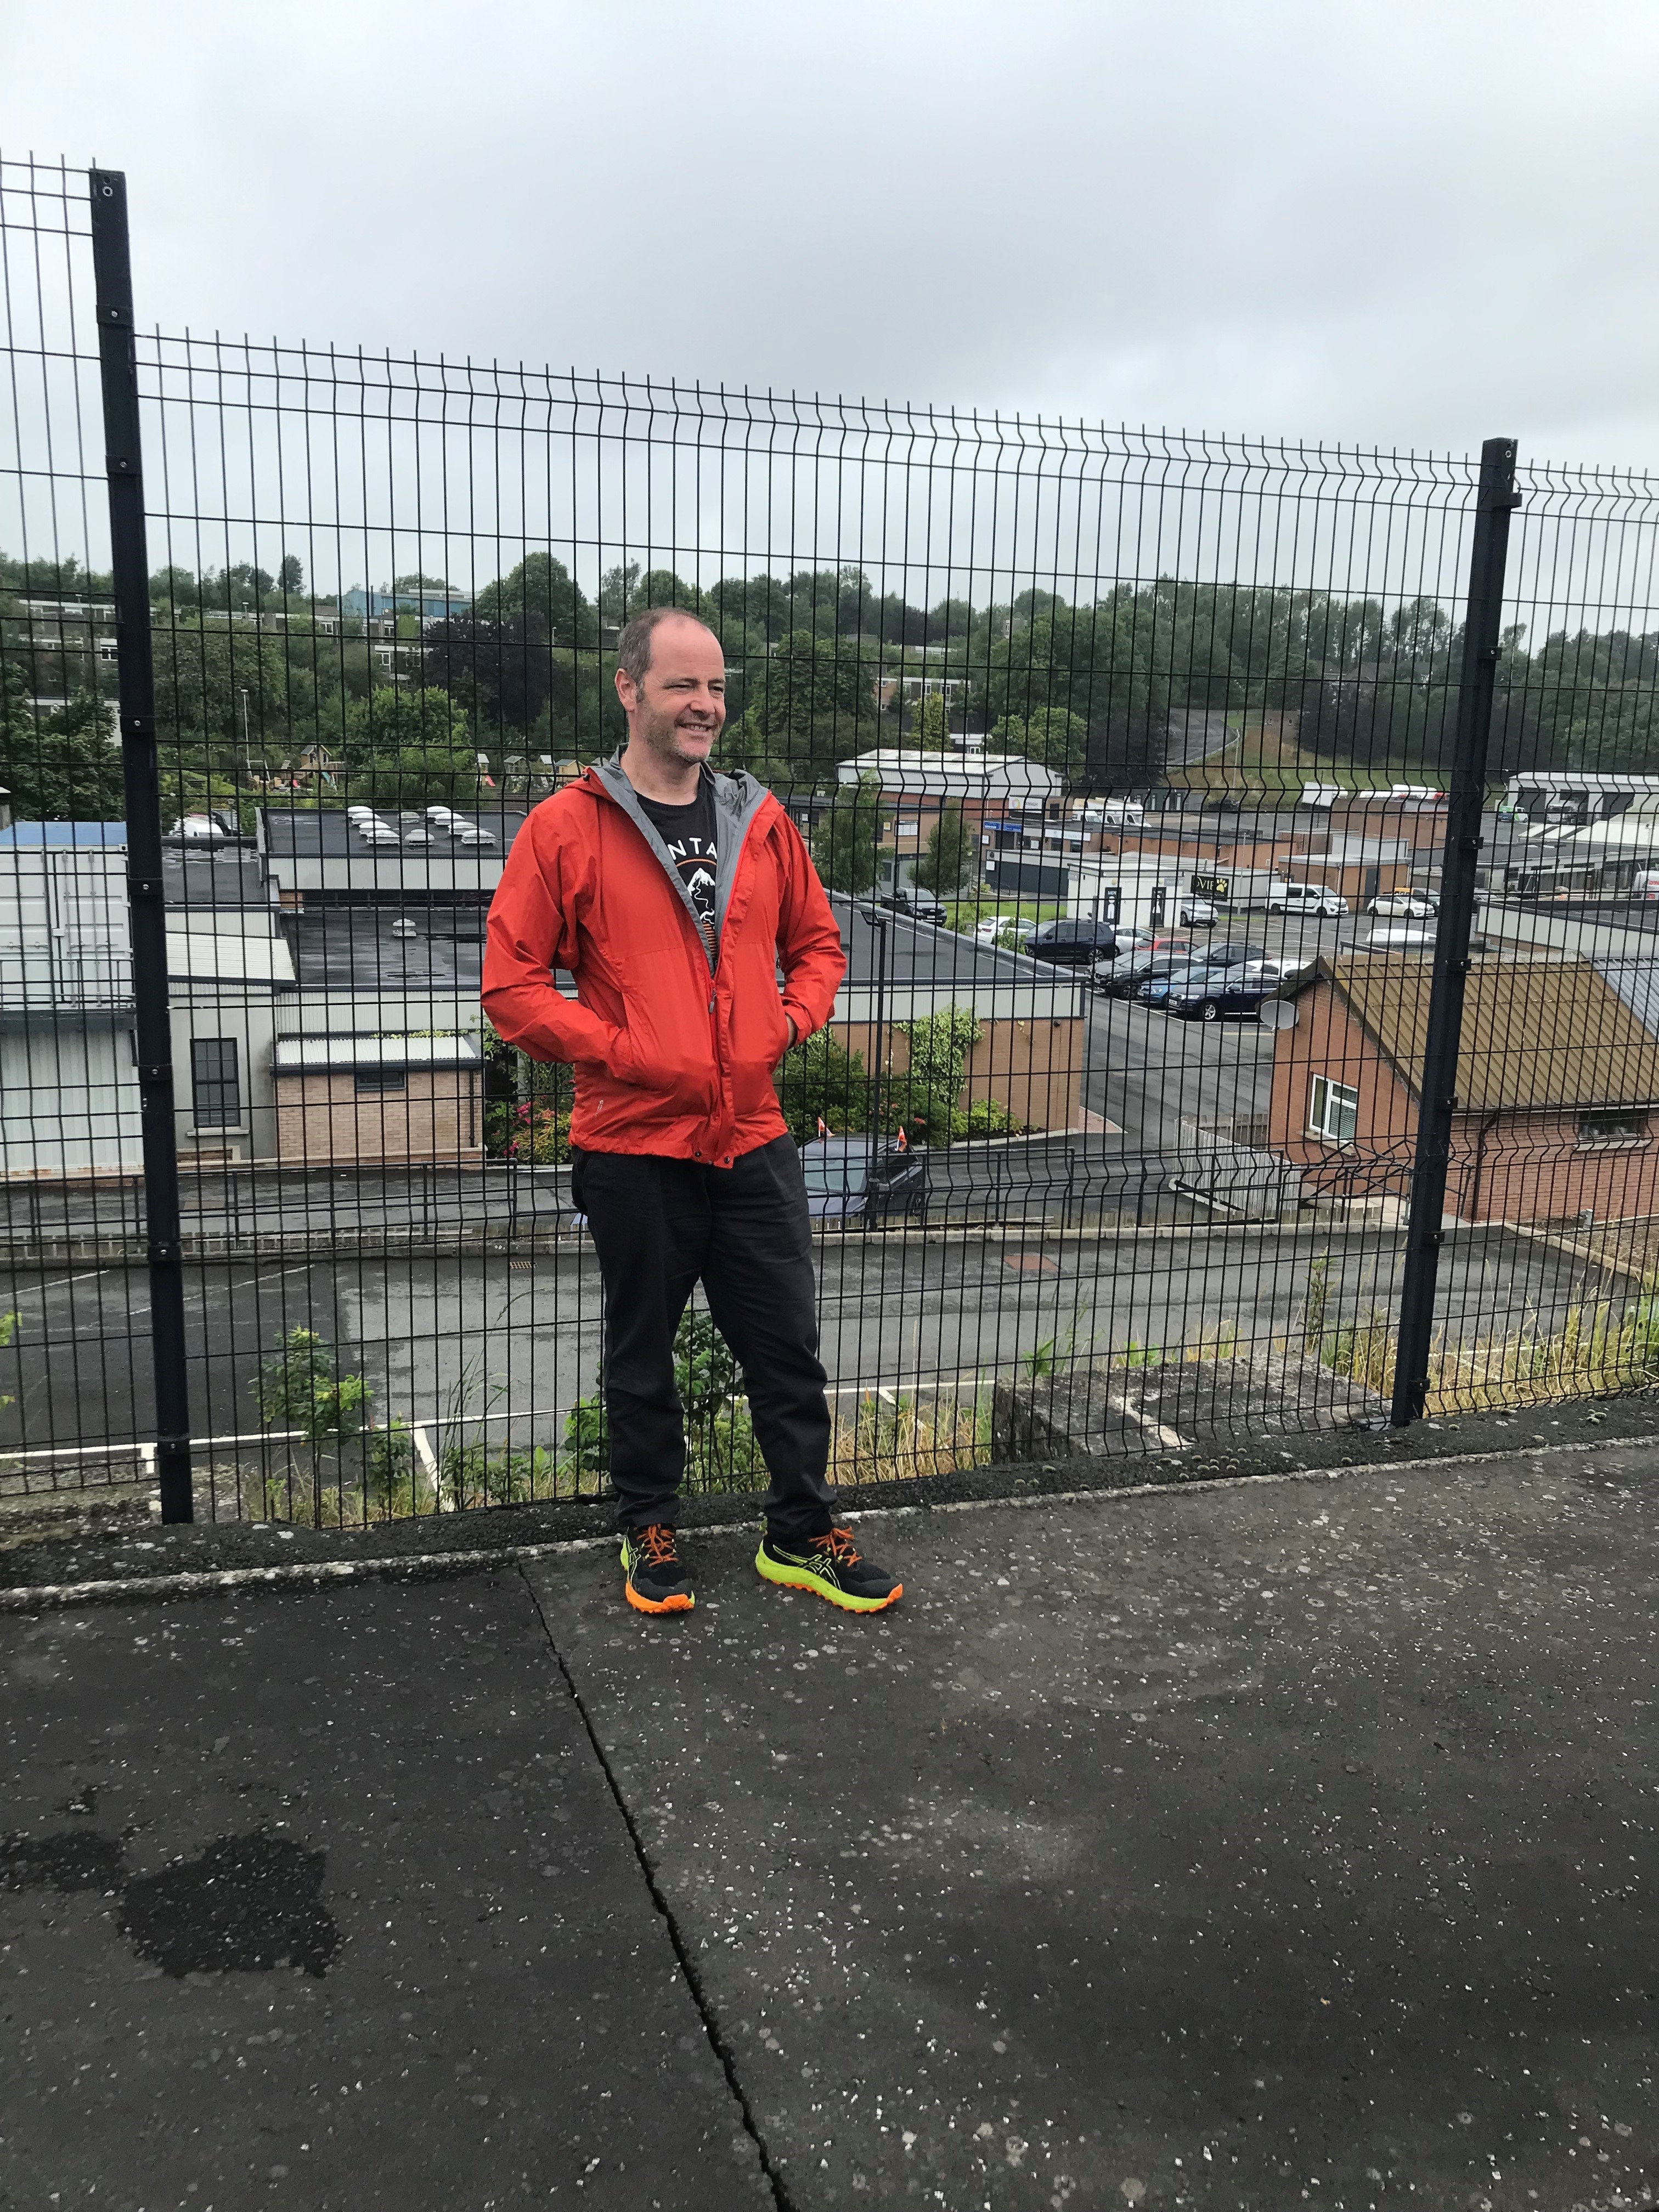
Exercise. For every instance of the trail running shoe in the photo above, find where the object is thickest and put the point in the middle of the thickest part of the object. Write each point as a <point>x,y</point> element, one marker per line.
<point>830,1566</point>
<point>654,1579</point>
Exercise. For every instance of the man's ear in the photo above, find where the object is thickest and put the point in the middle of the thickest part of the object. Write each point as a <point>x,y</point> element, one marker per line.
<point>627,690</point>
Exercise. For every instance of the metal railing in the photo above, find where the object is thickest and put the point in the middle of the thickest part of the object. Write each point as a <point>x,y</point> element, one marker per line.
<point>290,1231</point>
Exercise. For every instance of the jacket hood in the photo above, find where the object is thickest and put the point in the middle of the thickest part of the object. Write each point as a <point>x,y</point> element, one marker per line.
<point>739,798</point>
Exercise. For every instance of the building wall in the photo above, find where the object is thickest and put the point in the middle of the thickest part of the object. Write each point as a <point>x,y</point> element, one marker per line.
<point>1524,1169</point>
<point>206,1009</point>
<point>1518,1168</point>
<point>1033,1068</point>
<point>1326,1041</point>
<point>69,1099</point>
<point>322,1118</point>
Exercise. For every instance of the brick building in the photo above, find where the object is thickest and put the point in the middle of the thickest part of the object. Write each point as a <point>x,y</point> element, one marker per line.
<point>1557,1087</point>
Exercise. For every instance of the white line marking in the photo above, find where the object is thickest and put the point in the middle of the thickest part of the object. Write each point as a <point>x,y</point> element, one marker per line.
<point>1167,1438</point>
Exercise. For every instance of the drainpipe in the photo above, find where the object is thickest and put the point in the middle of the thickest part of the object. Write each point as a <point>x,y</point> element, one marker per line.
<point>1486,1129</point>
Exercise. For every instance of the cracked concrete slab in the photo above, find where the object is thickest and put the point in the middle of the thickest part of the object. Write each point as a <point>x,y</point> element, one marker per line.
<point>1249,1848</point>
<point>323,1900</point>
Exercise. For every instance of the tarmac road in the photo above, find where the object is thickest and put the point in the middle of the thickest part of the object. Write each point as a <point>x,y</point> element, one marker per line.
<point>490,1347</point>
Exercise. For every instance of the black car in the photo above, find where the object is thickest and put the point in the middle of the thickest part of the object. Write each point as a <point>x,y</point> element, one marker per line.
<point>863,1179</point>
<point>1126,978</point>
<point>1211,994</point>
<point>921,906</point>
<point>1071,944</point>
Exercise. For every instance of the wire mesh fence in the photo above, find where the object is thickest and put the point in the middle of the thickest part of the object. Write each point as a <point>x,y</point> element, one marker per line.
<point>1126,759</point>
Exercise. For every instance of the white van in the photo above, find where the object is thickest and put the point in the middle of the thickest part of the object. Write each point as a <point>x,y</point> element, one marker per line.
<point>1305,898</point>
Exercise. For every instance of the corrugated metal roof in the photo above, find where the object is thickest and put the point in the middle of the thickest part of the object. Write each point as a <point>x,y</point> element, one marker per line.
<point>308,1055</point>
<point>1537,1033</point>
<point>198,955</point>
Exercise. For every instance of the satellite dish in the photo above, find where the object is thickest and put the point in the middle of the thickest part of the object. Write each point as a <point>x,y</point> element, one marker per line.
<point>1278,1014</point>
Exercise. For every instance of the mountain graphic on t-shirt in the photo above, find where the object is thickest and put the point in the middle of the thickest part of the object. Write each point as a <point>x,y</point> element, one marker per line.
<point>700,879</point>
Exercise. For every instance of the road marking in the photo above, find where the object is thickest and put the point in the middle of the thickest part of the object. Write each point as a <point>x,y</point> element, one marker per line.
<point>1167,1438</point>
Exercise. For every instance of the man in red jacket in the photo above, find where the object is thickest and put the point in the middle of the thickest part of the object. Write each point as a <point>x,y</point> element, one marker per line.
<point>672,894</point>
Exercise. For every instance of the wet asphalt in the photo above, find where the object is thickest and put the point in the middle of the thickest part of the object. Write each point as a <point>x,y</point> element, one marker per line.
<point>1277,1844</point>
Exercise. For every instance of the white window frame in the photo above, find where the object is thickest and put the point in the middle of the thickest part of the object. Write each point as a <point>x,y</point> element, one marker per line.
<point>1324,1095</point>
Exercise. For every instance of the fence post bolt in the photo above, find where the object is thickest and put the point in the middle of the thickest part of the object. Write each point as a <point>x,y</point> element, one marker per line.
<point>129,576</point>
<point>1436,1093</point>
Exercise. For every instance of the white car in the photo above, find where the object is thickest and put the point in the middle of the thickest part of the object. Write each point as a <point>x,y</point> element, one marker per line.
<point>1198,913</point>
<point>990,927</point>
<point>1403,906</point>
<point>1305,898</point>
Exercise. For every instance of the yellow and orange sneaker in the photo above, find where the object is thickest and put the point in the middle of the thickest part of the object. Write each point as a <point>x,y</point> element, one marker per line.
<point>832,1567</point>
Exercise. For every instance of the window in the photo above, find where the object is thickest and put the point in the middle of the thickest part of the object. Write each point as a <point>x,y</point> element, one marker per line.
<point>1613,1129</point>
<point>381,1078</point>
<point>216,1089</point>
<point>1333,1111</point>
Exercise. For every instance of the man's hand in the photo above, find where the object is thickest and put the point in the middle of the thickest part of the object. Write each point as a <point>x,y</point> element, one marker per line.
<point>793,1032</point>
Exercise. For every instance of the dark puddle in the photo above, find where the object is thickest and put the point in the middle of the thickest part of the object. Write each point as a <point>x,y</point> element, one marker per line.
<point>245,1905</point>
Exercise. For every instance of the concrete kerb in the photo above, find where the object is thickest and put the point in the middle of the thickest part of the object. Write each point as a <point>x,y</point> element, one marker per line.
<point>426,1566</point>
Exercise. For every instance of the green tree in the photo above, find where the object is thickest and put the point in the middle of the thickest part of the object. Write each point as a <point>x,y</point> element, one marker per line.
<point>926,1101</point>
<point>812,703</point>
<point>1051,735</point>
<point>820,1081</point>
<point>65,766</point>
<point>616,591</point>
<point>951,854</point>
<point>540,602</point>
<point>410,748</point>
<point>202,671</point>
<point>299,1393</point>
<point>291,576</point>
<point>720,1439</point>
<point>662,587</point>
<point>846,844</point>
<point>930,729</point>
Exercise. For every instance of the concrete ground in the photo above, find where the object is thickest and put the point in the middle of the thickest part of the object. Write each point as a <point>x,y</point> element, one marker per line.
<point>1257,1845</point>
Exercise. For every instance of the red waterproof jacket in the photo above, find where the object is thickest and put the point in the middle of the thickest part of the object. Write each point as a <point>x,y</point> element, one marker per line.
<point>673,1054</point>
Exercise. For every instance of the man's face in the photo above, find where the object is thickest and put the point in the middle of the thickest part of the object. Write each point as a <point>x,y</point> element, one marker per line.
<point>678,708</point>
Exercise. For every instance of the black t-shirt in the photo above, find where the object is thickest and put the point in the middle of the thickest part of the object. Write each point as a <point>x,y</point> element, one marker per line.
<point>688,833</point>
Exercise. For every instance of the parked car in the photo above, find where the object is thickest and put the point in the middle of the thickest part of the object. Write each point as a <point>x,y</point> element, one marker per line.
<point>1071,944</point>
<point>990,927</point>
<point>1123,979</point>
<point>1208,994</point>
<point>920,905</point>
<point>1199,913</point>
<point>1157,990</point>
<point>215,829</point>
<point>1409,937</point>
<point>1405,906</point>
<point>863,1179</point>
<point>1149,940</point>
<point>1305,898</point>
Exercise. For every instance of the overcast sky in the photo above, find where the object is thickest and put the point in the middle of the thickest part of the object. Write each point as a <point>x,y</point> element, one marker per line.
<point>1399,223</point>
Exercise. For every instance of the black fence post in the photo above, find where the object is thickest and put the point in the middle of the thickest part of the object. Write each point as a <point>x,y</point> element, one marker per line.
<point>1436,1097</point>
<point>129,566</point>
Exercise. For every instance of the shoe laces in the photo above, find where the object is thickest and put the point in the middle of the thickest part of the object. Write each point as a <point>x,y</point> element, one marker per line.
<point>838,1545</point>
<point>656,1544</point>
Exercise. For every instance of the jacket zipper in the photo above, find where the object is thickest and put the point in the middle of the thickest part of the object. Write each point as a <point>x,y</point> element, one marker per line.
<point>720,948</point>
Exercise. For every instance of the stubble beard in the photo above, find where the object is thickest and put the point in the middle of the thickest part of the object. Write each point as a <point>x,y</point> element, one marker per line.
<point>662,736</point>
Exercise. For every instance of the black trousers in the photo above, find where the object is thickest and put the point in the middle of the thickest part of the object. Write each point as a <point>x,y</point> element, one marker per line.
<point>661,1225</point>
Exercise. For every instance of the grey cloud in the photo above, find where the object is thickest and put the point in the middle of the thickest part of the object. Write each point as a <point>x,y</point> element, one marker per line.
<point>1408,224</point>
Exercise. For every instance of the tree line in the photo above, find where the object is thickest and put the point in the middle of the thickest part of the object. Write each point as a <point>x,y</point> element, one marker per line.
<point>1168,680</point>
